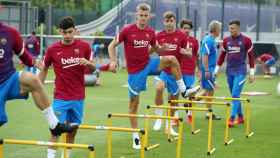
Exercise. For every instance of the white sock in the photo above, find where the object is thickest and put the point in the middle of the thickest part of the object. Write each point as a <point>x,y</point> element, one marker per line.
<point>181,85</point>
<point>51,153</point>
<point>135,135</point>
<point>158,112</point>
<point>50,117</point>
<point>189,112</point>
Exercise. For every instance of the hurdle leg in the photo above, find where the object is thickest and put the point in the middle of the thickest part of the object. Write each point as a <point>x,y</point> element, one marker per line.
<point>142,139</point>
<point>146,139</point>
<point>109,139</point>
<point>64,151</point>
<point>169,125</point>
<point>210,149</point>
<point>194,131</point>
<point>180,139</point>
<point>226,138</point>
<point>91,152</point>
<point>1,148</point>
<point>248,131</point>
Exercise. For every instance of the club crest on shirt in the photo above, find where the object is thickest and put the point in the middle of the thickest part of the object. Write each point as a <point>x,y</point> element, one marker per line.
<point>76,51</point>
<point>147,35</point>
<point>3,41</point>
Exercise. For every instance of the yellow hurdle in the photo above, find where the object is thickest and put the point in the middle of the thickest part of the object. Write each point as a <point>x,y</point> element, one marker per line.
<point>146,119</point>
<point>47,144</point>
<point>227,140</point>
<point>109,130</point>
<point>210,149</point>
<point>246,103</point>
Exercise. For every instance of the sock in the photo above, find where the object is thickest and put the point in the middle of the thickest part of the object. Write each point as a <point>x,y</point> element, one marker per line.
<point>189,113</point>
<point>135,135</point>
<point>68,151</point>
<point>51,153</point>
<point>181,85</point>
<point>50,117</point>
<point>158,112</point>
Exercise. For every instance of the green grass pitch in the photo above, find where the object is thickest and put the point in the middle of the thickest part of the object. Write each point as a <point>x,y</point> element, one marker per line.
<point>26,122</point>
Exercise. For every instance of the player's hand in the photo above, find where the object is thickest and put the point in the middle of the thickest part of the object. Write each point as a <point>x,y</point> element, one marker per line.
<point>251,78</point>
<point>113,66</point>
<point>84,61</point>
<point>39,64</point>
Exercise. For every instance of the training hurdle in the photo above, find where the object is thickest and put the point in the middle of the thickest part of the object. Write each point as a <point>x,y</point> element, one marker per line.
<point>146,124</point>
<point>109,130</point>
<point>246,103</point>
<point>210,148</point>
<point>47,144</point>
<point>227,140</point>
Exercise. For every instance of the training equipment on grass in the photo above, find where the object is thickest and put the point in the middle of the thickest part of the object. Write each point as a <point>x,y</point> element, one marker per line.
<point>245,103</point>
<point>278,89</point>
<point>146,124</point>
<point>255,93</point>
<point>210,149</point>
<point>109,130</point>
<point>46,144</point>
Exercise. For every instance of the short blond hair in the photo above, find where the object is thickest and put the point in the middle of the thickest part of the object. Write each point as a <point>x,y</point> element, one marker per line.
<point>214,25</point>
<point>143,7</point>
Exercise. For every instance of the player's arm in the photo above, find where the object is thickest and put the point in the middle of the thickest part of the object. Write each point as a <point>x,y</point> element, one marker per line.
<point>46,64</point>
<point>22,53</point>
<point>221,58</point>
<point>113,54</point>
<point>88,58</point>
<point>249,48</point>
<point>43,73</point>
<point>205,58</point>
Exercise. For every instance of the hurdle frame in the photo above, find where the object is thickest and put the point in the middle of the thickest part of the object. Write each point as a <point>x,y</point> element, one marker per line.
<point>109,130</point>
<point>227,140</point>
<point>210,148</point>
<point>146,128</point>
<point>44,143</point>
<point>247,106</point>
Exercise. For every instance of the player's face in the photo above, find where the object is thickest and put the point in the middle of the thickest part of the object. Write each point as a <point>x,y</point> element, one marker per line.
<point>234,30</point>
<point>142,17</point>
<point>169,24</point>
<point>68,34</point>
<point>186,29</point>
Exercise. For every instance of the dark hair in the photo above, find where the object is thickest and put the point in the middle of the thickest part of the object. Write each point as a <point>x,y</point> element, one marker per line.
<point>33,33</point>
<point>169,15</point>
<point>66,23</point>
<point>186,22</point>
<point>235,21</point>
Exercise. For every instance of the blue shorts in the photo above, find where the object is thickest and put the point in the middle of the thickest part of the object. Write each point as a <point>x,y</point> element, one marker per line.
<point>207,84</point>
<point>9,90</point>
<point>71,111</point>
<point>189,80</point>
<point>270,62</point>
<point>170,83</point>
<point>137,81</point>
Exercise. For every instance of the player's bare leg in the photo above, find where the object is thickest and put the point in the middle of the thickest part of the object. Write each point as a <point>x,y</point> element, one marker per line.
<point>172,62</point>
<point>133,107</point>
<point>31,83</point>
<point>159,101</point>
